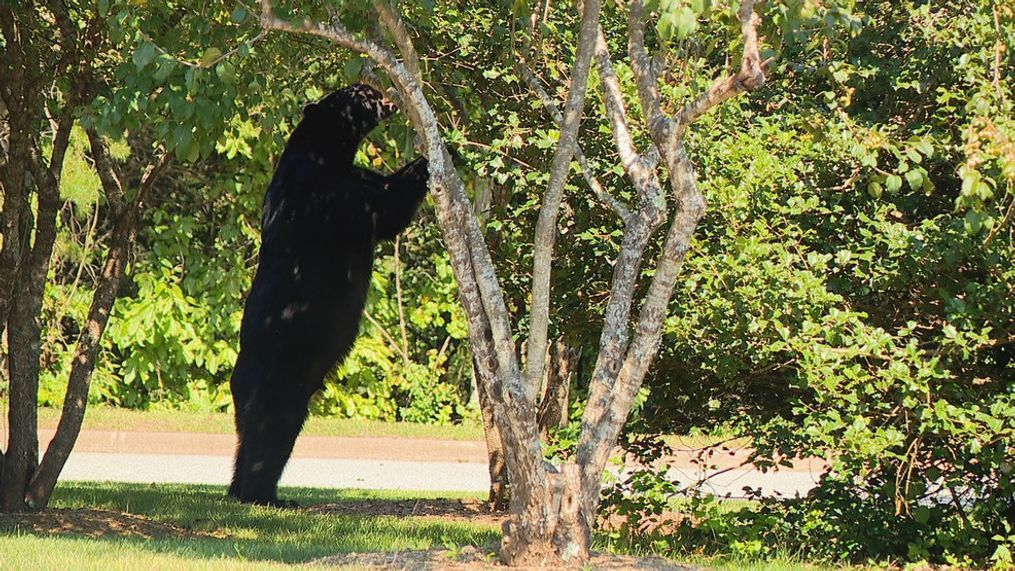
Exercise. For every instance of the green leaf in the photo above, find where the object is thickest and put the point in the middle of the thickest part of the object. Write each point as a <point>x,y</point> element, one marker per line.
<point>165,68</point>
<point>226,72</point>
<point>239,14</point>
<point>875,189</point>
<point>143,55</point>
<point>686,21</point>
<point>210,55</point>
<point>921,514</point>
<point>915,179</point>
<point>893,183</point>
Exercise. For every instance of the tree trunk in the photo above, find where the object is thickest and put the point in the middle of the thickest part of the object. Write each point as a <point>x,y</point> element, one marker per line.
<point>550,526</point>
<point>553,408</point>
<point>553,510</point>
<point>498,496</point>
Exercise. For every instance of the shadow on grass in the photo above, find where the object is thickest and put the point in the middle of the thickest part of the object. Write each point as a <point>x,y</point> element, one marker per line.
<point>196,522</point>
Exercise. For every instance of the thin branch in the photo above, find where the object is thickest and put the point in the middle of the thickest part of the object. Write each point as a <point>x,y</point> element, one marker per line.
<point>641,65</point>
<point>389,19</point>
<point>384,332</point>
<point>751,75</point>
<point>590,177</point>
<point>641,169</point>
<point>546,224</point>
<point>112,186</point>
<point>201,64</point>
<point>398,299</point>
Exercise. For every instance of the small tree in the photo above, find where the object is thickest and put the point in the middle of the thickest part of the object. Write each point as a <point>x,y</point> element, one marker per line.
<point>67,65</point>
<point>553,509</point>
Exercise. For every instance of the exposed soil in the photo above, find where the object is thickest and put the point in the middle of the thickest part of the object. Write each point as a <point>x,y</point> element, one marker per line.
<point>471,558</point>
<point>95,523</point>
<point>471,510</point>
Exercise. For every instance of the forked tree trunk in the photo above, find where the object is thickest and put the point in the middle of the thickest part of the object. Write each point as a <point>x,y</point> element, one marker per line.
<point>553,509</point>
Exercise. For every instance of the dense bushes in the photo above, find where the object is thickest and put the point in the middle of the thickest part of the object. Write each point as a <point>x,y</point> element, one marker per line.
<point>854,296</point>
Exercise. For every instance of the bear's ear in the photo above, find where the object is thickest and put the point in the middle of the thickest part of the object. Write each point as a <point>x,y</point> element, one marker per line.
<point>310,109</point>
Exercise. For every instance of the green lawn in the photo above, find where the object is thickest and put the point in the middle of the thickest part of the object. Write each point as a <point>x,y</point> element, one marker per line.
<point>107,418</point>
<point>237,535</point>
<point>234,536</point>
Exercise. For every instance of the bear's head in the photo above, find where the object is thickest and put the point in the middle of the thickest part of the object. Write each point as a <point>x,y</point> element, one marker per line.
<point>352,111</point>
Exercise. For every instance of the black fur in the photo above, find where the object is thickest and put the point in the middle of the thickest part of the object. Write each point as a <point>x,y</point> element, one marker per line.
<point>322,218</point>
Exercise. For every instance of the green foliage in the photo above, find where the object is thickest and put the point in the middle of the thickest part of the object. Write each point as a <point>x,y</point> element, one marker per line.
<point>852,299</point>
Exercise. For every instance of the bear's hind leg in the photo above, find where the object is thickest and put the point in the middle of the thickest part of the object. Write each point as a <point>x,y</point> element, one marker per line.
<point>269,433</point>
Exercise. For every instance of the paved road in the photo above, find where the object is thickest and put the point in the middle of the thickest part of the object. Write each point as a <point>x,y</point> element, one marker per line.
<point>315,472</point>
<point>377,474</point>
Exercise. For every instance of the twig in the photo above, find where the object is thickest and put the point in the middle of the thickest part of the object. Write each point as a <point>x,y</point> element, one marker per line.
<point>203,65</point>
<point>590,178</point>
<point>398,298</point>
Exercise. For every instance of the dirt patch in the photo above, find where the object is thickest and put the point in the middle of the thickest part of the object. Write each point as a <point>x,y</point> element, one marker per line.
<point>471,558</point>
<point>95,523</point>
<point>472,510</point>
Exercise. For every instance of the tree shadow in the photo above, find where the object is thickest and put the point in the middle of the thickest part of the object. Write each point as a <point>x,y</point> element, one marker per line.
<point>200,522</point>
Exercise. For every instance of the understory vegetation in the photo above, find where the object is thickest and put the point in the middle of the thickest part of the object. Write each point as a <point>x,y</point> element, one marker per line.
<point>849,296</point>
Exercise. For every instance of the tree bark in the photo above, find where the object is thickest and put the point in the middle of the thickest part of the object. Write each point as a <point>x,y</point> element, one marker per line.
<point>124,232</point>
<point>498,496</point>
<point>560,370</point>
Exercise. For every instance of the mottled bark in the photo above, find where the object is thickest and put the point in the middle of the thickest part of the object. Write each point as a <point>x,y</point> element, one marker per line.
<point>498,496</point>
<point>546,224</point>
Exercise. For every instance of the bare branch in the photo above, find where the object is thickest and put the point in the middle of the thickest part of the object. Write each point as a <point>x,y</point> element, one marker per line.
<point>108,176</point>
<point>640,168</point>
<point>398,299</point>
<point>751,75</point>
<point>590,177</point>
<point>644,72</point>
<point>393,22</point>
<point>546,224</point>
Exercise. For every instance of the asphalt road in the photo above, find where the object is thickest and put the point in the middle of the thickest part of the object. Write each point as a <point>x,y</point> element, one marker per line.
<point>381,474</point>
<point>312,472</point>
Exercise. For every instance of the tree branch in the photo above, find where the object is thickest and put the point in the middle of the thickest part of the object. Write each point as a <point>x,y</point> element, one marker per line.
<point>644,72</point>
<point>390,20</point>
<point>751,75</point>
<point>590,177</point>
<point>108,176</point>
<point>546,224</point>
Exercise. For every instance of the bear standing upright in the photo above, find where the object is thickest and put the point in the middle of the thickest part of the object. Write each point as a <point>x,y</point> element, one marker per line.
<point>321,221</point>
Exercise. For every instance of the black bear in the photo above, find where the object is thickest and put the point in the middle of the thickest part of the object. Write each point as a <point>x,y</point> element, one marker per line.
<point>321,221</point>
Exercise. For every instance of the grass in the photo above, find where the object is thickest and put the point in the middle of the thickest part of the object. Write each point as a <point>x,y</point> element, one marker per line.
<point>108,418</point>
<point>244,536</point>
